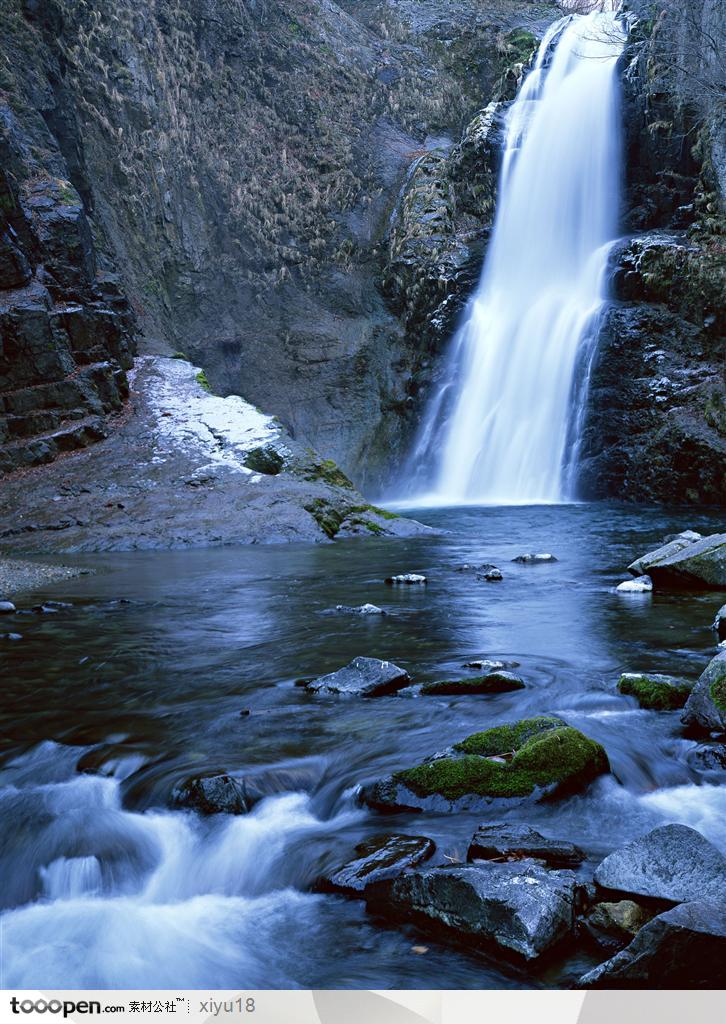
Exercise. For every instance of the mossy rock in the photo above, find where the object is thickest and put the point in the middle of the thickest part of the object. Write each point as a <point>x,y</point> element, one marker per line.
<point>492,682</point>
<point>718,693</point>
<point>327,471</point>
<point>265,459</point>
<point>201,379</point>
<point>327,517</point>
<point>655,692</point>
<point>534,758</point>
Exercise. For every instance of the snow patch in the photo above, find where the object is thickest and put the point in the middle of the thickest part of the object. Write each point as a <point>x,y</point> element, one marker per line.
<point>222,431</point>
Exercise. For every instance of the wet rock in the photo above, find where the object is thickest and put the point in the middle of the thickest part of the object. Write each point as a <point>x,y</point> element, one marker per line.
<point>12,636</point>
<point>719,623</point>
<point>519,909</point>
<point>709,758</point>
<point>213,794</point>
<point>655,692</point>
<point>534,559</point>
<point>492,575</point>
<point>700,565</point>
<point>45,609</point>
<point>671,546</point>
<point>363,677</point>
<point>514,842</point>
<point>705,709</point>
<point>682,948</point>
<point>378,859</point>
<point>673,863</point>
<point>534,758</point>
<point>363,609</point>
<point>613,925</point>
<point>643,585</point>
<point>7,608</point>
<point>498,681</point>
<point>406,578</point>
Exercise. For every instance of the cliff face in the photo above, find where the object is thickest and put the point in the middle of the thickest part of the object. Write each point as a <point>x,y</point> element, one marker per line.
<point>238,163</point>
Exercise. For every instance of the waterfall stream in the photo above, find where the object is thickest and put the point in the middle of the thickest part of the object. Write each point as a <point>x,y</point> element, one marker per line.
<point>503,424</point>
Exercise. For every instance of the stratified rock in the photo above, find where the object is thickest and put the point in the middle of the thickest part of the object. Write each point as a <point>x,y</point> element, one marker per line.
<point>363,677</point>
<point>521,909</point>
<point>705,709</point>
<point>613,925</point>
<point>406,578</point>
<point>498,681</point>
<point>673,862</point>
<point>671,546</point>
<point>379,859</point>
<point>642,585</point>
<point>7,608</point>
<point>534,758</point>
<point>700,565</point>
<point>213,794</point>
<point>683,948</point>
<point>655,692</point>
<point>719,623</point>
<point>515,842</point>
<point>534,559</point>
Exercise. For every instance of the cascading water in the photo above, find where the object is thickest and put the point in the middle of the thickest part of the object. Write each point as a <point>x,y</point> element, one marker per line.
<point>504,422</point>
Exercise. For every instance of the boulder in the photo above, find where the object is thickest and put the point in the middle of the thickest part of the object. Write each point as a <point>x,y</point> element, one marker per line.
<point>492,575</point>
<point>613,925</point>
<point>498,681</point>
<point>363,677</point>
<point>673,863</point>
<point>213,794</point>
<point>719,623</point>
<point>379,859</point>
<point>534,559</point>
<point>671,546</point>
<point>705,709</point>
<point>521,909</point>
<point>7,608</point>
<point>406,578</point>
<point>700,565</point>
<point>514,842</point>
<point>655,692</point>
<point>533,758</point>
<point>362,609</point>
<point>683,948</point>
<point>643,585</point>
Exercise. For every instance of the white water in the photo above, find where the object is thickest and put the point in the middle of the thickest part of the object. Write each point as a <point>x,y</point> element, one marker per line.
<point>504,422</point>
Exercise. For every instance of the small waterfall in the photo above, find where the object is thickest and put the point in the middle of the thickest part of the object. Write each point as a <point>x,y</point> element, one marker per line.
<point>504,423</point>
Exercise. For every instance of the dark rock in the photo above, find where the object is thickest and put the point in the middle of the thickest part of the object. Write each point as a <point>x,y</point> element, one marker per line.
<point>613,925</point>
<point>673,863</point>
<point>683,948</point>
<point>378,859</point>
<point>518,909</point>
<point>498,681</point>
<point>213,794</point>
<point>654,691</point>
<point>700,565</point>
<point>515,842</point>
<point>534,559</point>
<point>705,709</point>
<point>536,758</point>
<point>363,677</point>
<point>671,546</point>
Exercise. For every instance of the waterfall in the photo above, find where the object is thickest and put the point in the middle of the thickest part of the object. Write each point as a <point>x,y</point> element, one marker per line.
<point>504,422</point>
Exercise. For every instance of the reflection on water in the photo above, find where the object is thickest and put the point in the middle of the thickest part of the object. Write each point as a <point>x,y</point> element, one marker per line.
<point>109,703</point>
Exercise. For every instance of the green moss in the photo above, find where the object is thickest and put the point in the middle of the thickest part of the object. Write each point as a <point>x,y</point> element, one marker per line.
<point>511,736</point>
<point>493,682</point>
<point>556,759</point>
<point>718,693</point>
<point>384,513</point>
<point>654,693</point>
<point>327,517</point>
<point>180,355</point>
<point>327,471</point>
<point>201,379</point>
<point>520,45</point>
<point>264,459</point>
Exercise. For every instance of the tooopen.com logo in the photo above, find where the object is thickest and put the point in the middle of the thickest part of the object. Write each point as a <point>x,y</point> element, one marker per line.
<point>64,1007</point>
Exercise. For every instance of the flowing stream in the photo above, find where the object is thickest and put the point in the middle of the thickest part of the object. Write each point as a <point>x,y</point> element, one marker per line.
<point>502,426</point>
<point>139,679</point>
